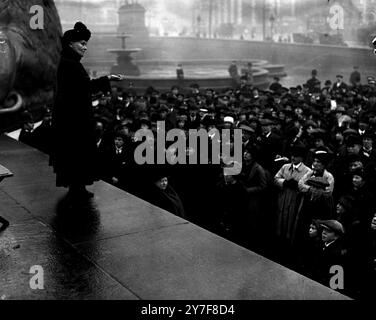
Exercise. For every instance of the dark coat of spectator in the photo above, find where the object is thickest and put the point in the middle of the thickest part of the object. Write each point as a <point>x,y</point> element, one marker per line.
<point>270,146</point>
<point>118,162</point>
<point>255,181</point>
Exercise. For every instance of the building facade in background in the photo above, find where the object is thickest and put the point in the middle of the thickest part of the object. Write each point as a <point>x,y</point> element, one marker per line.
<point>235,19</point>
<point>99,16</point>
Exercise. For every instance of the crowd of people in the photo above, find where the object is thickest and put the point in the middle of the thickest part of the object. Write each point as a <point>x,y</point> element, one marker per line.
<point>304,196</point>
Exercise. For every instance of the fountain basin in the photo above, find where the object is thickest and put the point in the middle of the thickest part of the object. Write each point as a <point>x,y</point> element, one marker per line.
<point>124,61</point>
<point>207,73</point>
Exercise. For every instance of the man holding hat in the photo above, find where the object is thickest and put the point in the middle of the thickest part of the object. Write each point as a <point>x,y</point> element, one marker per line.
<point>74,149</point>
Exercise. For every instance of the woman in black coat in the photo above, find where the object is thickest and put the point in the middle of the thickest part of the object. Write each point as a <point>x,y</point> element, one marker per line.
<point>160,193</point>
<point>74,147</point>
<point>254,179</point>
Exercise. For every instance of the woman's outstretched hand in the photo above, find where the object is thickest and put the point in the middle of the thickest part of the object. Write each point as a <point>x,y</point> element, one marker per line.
<point>116,77</point>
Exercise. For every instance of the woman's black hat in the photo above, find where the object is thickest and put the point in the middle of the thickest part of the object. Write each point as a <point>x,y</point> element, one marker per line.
<point>323,155</point>
<point>78,33</point>
<point>299,150</point>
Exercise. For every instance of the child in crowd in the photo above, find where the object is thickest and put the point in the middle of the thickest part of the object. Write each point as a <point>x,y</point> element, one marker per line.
<point>309,257</point>
<point>332,253</point>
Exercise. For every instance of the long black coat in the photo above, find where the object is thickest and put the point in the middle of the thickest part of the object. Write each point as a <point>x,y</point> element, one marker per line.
<point>166,199</point>
<point>269,147</point>
<point>74,148</point>
<point>120,166</point>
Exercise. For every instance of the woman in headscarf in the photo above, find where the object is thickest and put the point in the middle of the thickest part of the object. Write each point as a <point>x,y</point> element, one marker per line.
<point>74,145</point>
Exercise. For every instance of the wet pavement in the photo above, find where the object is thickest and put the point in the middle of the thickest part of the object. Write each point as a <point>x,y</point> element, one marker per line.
<point>118,246</point>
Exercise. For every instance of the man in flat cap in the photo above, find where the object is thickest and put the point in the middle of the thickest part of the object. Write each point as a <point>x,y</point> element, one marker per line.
<point>332,250</point>
<point>332,230</point>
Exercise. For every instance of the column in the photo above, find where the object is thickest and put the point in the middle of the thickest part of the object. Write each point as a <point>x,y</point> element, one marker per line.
<point>232,11</point>
<point>225,11</point>
<point>193,21</point>
<point>364,11</point>
<point>293,8</point>
<point>220,11</point>
<point>278,7</point>
<point>253,15</point>
<point>240,11</point>
<point>217,14</point>
<point>196,12</point>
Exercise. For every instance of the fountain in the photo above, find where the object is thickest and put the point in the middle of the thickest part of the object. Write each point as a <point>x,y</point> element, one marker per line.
<point>124,59</point>
<point>204,61</point>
